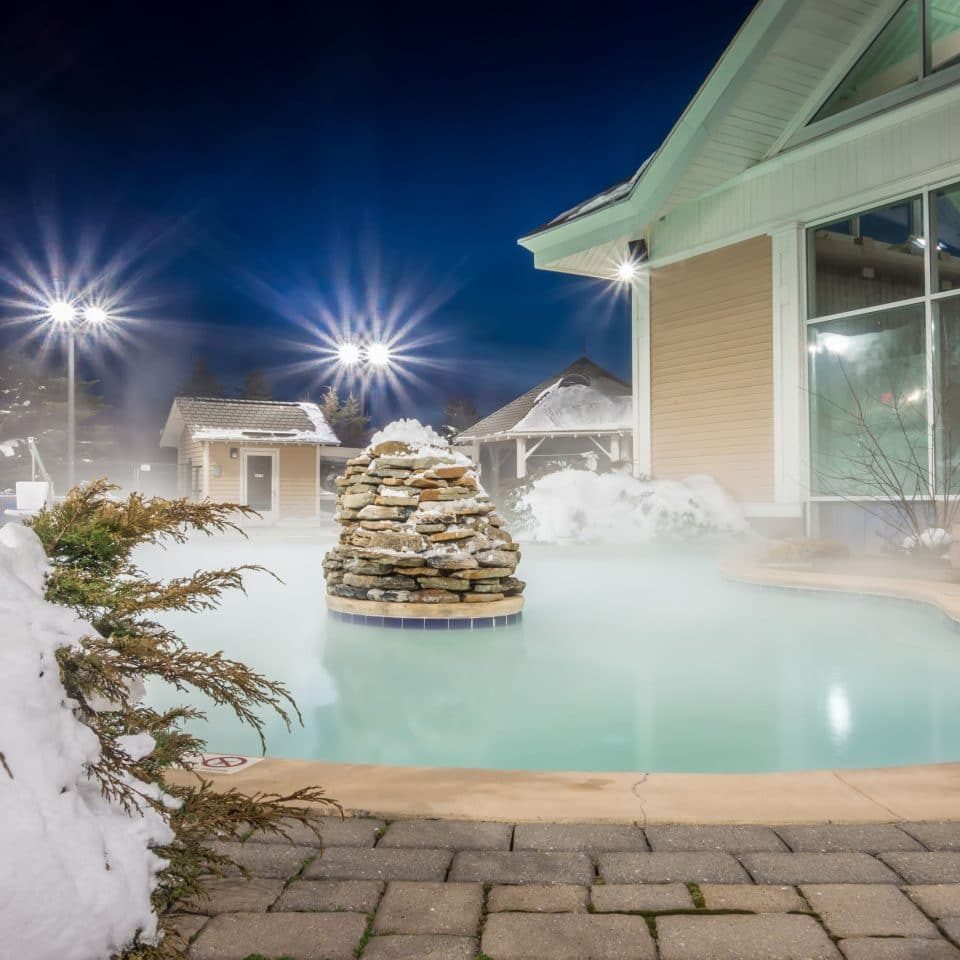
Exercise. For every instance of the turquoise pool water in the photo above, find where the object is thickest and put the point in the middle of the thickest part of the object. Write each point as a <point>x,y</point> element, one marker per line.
<point>628,658</point>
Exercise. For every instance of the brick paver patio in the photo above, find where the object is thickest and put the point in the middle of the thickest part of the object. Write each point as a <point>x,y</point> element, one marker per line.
<point>439,890</point>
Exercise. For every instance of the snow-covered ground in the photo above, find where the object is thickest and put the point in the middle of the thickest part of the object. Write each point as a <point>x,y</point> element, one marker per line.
<point>615,508</point>
<point>76,872</point>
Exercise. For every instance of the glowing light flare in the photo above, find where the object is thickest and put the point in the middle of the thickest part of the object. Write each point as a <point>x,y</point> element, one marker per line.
<point>349,353</point>
<point>839,714</point>
<point>626,271</point>
<point>95,315</point>
<point>379,354</point>
<point>61,312</point>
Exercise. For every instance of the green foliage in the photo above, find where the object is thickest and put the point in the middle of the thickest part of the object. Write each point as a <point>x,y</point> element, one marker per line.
<point>255,386</point>
<point>90,539</point>
<point>201,382</point>
<point>346,418</point>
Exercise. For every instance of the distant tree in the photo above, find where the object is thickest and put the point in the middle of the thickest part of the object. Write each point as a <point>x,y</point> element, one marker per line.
<point>201,382</point>
<point>458,414</point>
<point>33,403</point>
<point>255,386</point>
<point>346,418</point>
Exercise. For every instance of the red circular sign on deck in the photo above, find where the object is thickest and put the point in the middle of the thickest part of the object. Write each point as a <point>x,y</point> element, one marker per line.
<point>223,762</point>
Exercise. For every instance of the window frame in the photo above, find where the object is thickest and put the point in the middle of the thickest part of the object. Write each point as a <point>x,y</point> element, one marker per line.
<point>928,81</point>
<point>929,297</point>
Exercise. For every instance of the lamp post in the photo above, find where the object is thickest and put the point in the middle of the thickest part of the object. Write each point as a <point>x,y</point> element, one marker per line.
<point>65,315</point>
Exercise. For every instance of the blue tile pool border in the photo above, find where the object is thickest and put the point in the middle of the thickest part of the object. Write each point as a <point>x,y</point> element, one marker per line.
<point>430,623</point>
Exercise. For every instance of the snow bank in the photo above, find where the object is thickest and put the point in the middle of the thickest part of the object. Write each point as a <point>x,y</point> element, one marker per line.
<point>76,871</point>
<point>576,407</point>
<point>616,508</point>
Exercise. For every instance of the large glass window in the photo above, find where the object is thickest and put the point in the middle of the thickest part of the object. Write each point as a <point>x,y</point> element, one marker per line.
<point>868,401</point>
<point>883,333</point>
<point>891,61</point>
<point>866,260</point>
<point>921,38</point>
<point>943,27</point>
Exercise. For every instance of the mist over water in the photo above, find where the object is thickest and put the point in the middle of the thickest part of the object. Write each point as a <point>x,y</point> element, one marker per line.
<point>628,658</point>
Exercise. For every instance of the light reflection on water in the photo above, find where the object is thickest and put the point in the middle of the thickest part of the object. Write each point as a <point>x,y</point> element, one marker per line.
<point>628,658</point>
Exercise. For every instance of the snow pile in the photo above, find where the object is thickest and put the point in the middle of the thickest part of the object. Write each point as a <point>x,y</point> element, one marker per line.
<point>77,871</point>
<point>411,432</point>
<point>615,508</point>
<point>419,438</point>
<point>576,407</point>
<point>933,538</point>
<point>9,448</point>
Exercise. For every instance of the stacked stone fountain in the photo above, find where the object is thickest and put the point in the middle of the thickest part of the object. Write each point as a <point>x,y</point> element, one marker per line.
<point>419,535</point>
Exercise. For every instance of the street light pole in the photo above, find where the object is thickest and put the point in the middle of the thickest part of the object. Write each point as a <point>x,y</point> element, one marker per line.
<point>71,407</point>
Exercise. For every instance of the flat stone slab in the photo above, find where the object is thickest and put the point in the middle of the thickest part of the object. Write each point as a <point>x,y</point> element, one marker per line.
<point>756,899</point>
<point>183,927</point>
<point>731,839</point>
<point>936,899</point>
<point>867,910</point>
<point>844,837</point>
<point>566,936</point>
<point>357,863</point>
<point>273,861</point>
<point>646,897</point>
<point>538,898</point>
<point>936,836</point>
<point>334,832</point>
<point>765,937</point>
<point>951,927</point>
<point>792,869</point>
<point>578,837</point>
<point>238,895</point>
<point>435,908</point>
<point>521,867</point>
<point>306,936</point>
<point>324,896</point>
<point>866,948</point>
<point>448,834</point>
<point>938,867</point>
<point>412,947</point>
<point>671,868</point>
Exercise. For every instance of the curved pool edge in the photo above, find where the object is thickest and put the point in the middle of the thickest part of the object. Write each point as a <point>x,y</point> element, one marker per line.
<point>941,595</point>
<point>886,795</point>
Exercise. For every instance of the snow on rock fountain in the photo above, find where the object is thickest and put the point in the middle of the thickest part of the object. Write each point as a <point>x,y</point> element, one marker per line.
<point>420,539</point>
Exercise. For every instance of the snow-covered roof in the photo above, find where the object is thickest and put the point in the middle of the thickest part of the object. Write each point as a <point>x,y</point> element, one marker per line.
<point>273,421</point>
<point>551,408</point>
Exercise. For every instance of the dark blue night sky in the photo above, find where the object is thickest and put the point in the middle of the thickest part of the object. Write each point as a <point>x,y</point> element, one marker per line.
<point>259,165</point>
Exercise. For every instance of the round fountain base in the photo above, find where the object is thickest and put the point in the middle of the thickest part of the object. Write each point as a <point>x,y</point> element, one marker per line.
<point>427,616</point>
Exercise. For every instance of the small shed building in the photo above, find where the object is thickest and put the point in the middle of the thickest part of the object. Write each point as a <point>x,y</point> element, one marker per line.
<point>266,454</point>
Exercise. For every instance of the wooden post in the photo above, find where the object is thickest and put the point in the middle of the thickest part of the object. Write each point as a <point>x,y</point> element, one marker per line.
<point>521,457</point>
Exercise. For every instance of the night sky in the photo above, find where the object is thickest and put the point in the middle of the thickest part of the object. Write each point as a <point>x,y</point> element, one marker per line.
<point>255,170</point>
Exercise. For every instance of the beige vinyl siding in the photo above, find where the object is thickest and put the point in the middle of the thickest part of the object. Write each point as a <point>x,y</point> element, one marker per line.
<point>711,368</point>
<point>298,481</point>
<point>297,467</point>
<point>190,454</point>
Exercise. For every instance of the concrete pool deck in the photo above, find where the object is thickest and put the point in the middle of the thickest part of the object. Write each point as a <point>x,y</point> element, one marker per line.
<point>819,796</point>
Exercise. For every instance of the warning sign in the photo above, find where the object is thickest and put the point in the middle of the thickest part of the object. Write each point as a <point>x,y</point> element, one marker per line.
<point>224,763</point>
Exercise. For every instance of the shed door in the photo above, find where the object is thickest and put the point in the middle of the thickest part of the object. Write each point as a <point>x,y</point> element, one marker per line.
<point>260,482</point>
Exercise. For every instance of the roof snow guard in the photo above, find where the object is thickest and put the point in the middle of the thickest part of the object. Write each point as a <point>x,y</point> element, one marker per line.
<point>274,421</point>
<point>601,404</point>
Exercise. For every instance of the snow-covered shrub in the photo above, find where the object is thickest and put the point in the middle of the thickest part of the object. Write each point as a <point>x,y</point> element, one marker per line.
<point>932,541</point>
<point>78,869</point>
<point>615,507</point>
<point>84,758</point>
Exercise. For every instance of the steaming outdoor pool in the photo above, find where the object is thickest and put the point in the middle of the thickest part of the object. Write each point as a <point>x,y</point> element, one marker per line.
<point>628,658</point>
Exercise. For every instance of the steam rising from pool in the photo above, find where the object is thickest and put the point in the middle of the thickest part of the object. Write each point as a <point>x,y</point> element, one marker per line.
<point>629,658</point>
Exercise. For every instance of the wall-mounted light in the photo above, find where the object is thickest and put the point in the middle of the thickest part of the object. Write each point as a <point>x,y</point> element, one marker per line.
<point>234,453</point>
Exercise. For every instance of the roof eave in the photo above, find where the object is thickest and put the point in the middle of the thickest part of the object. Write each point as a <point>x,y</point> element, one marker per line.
<point>172,429</point>
<point>628,217</point>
